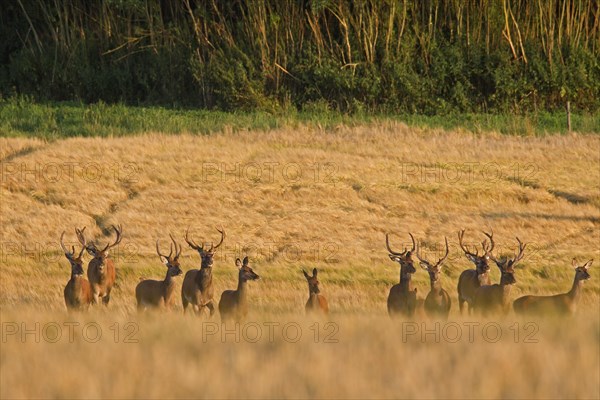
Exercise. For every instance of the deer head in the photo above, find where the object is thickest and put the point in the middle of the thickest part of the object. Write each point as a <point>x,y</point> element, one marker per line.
<point>313,283</point>
<point>172,262</point>
<point>206,255</point>
<point>246,273</point>
<point>506,265</point>
<point>404,258</point>
<point>76,262</point>
<point>433,269</point>
<point>481,262</point>
<point>581,272</point>
<point>97,253</point>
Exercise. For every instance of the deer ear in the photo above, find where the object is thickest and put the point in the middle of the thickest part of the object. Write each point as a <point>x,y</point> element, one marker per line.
<point>164,260</point>
<point>574,263</point>
<point>424,266</point>
<point>305,274</point>
<point>315,272</point>
<point>238,263</point>
<point>245,262</point>
<point>588,264</point>
<point>91,251</point>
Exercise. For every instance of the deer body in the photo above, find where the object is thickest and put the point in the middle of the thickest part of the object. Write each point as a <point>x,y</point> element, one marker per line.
<point>160,294</point>
<point>402,299</point>
<point>77,292</point>
<point>437,302</point>
<point>234,303</point>
<point>316,301</point>
<point>101,269</point>
<point>494,299</point>
<point>559,304</point>
<point>197,288</point>
<point>472,279</point>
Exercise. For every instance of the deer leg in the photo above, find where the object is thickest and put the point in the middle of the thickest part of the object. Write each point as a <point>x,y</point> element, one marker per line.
<point>185,304</point>
<point>461,305</point>
<point>211,308</point>
<point>106,299</point>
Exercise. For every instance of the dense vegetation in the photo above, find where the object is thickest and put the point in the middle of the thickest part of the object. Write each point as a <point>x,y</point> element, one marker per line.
<point>427,57</point>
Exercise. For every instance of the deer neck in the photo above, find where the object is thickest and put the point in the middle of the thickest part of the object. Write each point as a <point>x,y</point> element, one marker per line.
<point>436,286</point>
<point>575,289</point>
<point>242,290</point>
<point>405,278</point>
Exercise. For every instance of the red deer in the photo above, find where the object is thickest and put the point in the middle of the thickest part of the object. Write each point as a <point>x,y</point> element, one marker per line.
<point>493,299</point>
<point>78,292</point>
<point>471,279</point>
<point>402,298</point>
<point>101,269</point>
<point>559,304</point>
<point>316,301</point>
<point>160,294</point>
<point>234,303</point>
<point>197,287</point>
<point>437,303</point>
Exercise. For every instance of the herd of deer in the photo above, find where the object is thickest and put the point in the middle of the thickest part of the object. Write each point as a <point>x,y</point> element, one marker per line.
<point>474,286</point>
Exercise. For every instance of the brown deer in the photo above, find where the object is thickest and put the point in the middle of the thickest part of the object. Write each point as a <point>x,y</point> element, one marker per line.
<point>78,292</point>
<point>101,269</point>
<point>559,304</point>
<point>316,301</point>
<point>402,298</point>
<point>437,303</point>
<point>471,279</point>
<point>160,294</point>
<point>197,287</point>
<point>234,303</point>
<point>494,299</point>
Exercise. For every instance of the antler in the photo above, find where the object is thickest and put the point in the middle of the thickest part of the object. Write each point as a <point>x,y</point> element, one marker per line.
<point>162,255</point>
<point>387,244</point>
<point>465,248</point>
<point>440,261</point>
<point>67,253</point>
<point>519,256</point>
<point>119,231</point>
<point>191,242</point>
<point>222,232</point>
<point>177,247</point>
<point>492,244</point>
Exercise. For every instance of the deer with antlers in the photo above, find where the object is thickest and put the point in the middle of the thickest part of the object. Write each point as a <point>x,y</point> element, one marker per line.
<point>559,304</point>
<point>197,287</point>
<point>402,298</point>
<point>437,303</point>
<point>491,299</point>
<point>101,269</point>
<point>234,303</point>
<point>160,294</point>
<point>316,301</point>
<point>471,279</point>
<point>78,292</point>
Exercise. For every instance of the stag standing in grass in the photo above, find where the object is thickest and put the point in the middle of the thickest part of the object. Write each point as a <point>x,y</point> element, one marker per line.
<point>402,298</point>
<point>160,294</point>
<point>471,279</point>
<point>437,303</point>
<point>316,301</point>
<point>197,287</point>
<point>234,303</point>
<point>78,292</point>
<point>101,269</point>
<point>559,304</point>
<point>494,299</point>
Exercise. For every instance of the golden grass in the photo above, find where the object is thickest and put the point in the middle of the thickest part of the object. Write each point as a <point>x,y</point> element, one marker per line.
<point>371,180</point>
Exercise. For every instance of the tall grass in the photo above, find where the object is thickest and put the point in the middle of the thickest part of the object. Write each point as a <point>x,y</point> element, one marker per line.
<point>431,57</point>
<point>21,117</point>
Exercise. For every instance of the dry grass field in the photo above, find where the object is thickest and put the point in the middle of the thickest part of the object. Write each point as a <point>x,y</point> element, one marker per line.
<point>293,199</point>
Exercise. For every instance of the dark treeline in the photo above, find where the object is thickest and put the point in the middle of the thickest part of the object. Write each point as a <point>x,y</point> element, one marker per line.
<point>373,55</point>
